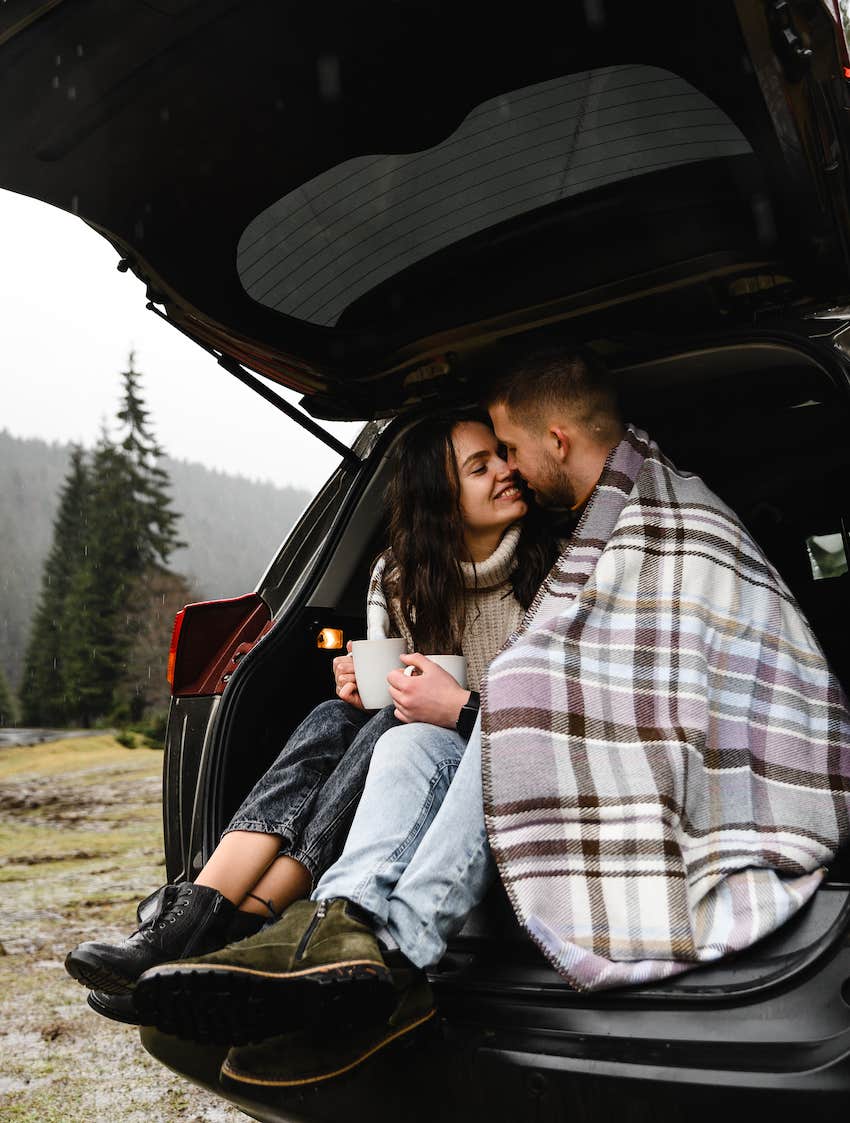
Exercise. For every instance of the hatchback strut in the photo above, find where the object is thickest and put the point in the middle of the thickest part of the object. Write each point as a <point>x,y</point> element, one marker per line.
<point>266,392</point>
<point>238,371</point>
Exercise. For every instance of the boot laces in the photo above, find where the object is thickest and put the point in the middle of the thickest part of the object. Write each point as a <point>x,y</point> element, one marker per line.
<point>174,901</point>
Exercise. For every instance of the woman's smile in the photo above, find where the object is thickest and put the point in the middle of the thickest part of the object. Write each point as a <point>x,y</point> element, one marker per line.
<point>508,494</point>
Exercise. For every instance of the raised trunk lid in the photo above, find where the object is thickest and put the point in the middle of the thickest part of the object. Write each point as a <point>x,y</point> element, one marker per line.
<point>341,197</point>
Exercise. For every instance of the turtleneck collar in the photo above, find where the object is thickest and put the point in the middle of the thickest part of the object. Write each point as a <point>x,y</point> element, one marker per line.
<point>496,569</point>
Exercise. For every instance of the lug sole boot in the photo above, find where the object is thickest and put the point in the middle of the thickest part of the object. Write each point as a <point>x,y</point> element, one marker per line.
<point>319,965</point>
<point>176,921</point>
<point>122,1007</point>
<point>309,1057</point>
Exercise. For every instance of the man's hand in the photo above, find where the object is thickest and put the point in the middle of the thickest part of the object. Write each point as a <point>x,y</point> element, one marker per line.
<point>346,683</point>
<point>431,694</point>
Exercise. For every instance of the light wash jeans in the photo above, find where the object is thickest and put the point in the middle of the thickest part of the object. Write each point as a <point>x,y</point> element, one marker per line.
<point>417,857</point>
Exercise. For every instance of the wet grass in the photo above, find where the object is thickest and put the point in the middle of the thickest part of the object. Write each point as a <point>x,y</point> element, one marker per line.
<point>80,844</point>
<point>61,757</point>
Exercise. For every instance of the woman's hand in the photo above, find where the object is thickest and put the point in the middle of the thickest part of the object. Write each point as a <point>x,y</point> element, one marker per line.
<point>346,683</point>
<point>431,695</point>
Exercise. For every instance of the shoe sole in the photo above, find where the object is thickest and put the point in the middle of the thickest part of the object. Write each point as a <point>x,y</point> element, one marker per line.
<point>239,1081</point>
<point>241,1006</point>
<point>91,973</point>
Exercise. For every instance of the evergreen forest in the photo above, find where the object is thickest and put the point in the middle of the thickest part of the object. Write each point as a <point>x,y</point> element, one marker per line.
<point>102,608</point>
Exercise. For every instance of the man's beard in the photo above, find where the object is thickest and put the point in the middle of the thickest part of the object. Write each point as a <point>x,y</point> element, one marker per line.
<point>553,489</point>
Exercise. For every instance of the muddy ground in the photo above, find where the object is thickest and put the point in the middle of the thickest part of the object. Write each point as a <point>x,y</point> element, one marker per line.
<point>80,844</point>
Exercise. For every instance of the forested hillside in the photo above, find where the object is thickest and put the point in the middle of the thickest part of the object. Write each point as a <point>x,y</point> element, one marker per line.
<point>231,526</point>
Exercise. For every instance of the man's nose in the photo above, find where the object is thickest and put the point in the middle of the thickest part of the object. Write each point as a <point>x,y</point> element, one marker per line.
<point>510,462</point>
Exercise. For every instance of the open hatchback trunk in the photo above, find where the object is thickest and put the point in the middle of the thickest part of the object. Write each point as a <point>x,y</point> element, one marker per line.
<point>375,206</point>
<point>348,200</point>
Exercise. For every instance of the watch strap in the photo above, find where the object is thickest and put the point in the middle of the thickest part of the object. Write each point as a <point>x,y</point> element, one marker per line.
<point>468,714</point>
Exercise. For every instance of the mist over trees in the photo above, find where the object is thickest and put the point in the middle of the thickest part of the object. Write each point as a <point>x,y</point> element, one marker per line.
<point>109,586</point>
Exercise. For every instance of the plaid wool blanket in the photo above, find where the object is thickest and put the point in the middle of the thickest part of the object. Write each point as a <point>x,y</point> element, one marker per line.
<point>666,753</point>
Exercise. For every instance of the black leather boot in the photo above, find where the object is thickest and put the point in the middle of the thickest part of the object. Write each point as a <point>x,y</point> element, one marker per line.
<point>116,1007</point>
<point>122,1008</point>
<point>175,922</point>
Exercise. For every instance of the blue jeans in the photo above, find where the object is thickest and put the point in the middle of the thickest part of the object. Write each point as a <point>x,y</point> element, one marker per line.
<point>308,796</point>
<point>417,856</point>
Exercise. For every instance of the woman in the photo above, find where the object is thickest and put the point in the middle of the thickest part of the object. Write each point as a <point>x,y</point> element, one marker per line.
<point>459,573</point>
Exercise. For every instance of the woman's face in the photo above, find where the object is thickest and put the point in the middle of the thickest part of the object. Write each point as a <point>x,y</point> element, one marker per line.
<point>489,497</point>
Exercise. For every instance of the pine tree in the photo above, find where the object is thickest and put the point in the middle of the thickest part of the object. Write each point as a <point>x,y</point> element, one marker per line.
<point>8,706</point>
<point>132,532</point>
<point>95,648</point>
<point>154,522</point>
<point>43,688</point>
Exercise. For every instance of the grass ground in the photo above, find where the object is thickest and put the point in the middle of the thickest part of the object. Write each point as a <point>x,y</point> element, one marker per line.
<point>80,844</point>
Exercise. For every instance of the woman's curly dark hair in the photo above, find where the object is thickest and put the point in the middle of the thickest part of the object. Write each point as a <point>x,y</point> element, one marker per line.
<point>426,537</point>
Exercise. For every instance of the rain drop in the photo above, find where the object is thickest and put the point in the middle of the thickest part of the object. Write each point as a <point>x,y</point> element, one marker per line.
<point>329,78</point>
<point>765,222</point>
<point>72,93</point>
<point>55,82</point>
<point>594,12</point>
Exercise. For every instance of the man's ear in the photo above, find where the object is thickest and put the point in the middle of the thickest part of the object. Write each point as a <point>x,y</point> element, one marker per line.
<point>559,443</point>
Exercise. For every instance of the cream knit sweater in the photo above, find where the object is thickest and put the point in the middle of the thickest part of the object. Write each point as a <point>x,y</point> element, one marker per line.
<point>492,611</point>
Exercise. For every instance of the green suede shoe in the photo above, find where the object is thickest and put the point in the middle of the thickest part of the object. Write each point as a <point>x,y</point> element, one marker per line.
<point>301,971</point>
<point>310,1056</point>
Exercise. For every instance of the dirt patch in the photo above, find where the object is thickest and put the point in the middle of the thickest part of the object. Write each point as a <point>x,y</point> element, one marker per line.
<point>80,844</point>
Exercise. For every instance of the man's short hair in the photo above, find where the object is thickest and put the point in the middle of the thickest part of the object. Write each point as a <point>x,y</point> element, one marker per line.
<point>548,381</point>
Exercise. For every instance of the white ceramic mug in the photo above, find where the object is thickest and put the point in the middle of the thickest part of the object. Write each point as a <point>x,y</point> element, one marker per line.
<point>454,664</point>
<point>373,661</point>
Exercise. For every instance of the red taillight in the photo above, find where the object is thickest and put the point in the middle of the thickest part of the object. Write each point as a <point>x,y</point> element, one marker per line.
<point>210,638</point>
<point>175,640</point>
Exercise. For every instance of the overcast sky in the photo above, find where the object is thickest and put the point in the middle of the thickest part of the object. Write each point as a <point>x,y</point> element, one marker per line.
<point>69,319</point>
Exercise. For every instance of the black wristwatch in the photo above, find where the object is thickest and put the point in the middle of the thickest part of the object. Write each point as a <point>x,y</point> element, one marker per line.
<point>468,714</point>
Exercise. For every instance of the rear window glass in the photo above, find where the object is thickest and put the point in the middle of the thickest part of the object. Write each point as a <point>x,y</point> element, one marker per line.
<point>323,246</point>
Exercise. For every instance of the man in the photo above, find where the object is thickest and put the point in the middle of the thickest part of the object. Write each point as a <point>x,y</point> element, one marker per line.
<point>660,771</point>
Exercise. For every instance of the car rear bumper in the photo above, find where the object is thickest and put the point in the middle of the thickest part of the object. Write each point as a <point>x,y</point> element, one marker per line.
<point>533,1058</point>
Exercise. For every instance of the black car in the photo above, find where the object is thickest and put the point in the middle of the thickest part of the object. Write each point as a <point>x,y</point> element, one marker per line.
<point>376,205</point>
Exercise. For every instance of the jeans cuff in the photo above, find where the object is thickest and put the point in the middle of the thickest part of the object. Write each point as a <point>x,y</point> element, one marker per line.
<point>259,826</point>
<point>308,861</point>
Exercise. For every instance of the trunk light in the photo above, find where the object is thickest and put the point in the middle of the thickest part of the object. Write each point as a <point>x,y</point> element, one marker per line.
<point>330,639</point>
<point>175,640</point>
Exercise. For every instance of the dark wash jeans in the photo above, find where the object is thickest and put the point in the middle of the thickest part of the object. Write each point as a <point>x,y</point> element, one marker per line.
<point>309,795</point>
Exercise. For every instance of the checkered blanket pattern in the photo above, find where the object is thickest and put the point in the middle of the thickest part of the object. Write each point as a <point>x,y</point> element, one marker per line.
<point>666,753</point>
